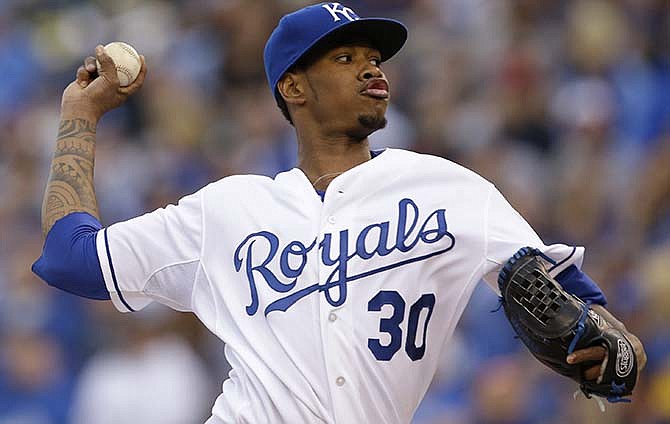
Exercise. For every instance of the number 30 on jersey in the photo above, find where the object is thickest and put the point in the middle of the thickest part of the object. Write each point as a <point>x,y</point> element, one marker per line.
<point>391,325</point>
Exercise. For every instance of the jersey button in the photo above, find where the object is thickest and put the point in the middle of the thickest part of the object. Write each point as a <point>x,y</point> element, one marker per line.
<point>332,317</point>
<point>331,219</point>
<point>340,381</point>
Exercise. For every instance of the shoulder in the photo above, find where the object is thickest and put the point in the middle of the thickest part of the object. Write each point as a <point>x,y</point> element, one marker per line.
<point>237,184</point>
<point>254,189</point>
<point>436,165</point>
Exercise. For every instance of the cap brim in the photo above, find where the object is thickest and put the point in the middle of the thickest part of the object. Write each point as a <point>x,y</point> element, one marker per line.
<point>386,35</point>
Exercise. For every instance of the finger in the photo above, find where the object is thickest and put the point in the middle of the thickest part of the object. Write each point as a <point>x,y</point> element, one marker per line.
<point>640,354</point>
<point>90,65</point>
<point>83,77</point>
<point>135,85</point>
<point>592,373</point>
<point>107,66</point>
<point>595,353</point>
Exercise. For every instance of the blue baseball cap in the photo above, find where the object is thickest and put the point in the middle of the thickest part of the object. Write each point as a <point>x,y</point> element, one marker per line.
<point>301,30</point>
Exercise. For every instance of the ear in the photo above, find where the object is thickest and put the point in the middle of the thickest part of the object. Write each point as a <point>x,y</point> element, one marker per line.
<point>290,88</point>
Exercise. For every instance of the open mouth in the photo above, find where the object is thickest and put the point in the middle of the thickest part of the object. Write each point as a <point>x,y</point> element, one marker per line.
<point>377,88</point>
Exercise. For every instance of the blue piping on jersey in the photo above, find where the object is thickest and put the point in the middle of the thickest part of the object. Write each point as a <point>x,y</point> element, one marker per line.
<point>111,268</point>
<point>556,265</point>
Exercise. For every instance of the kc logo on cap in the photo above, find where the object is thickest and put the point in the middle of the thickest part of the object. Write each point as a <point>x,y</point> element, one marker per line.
<point>336,10</point>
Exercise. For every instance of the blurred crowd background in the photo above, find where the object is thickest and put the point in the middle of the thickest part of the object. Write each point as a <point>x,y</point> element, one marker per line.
<point>565,105</point>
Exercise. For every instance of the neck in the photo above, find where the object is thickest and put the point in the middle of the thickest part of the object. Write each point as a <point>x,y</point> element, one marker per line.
<point>324,158</point>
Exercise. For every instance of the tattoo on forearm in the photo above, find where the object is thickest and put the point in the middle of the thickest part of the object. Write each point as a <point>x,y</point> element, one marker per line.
<point>70,187</point>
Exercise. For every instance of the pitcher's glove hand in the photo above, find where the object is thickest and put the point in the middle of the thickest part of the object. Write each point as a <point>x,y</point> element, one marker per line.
<point>553,323</point>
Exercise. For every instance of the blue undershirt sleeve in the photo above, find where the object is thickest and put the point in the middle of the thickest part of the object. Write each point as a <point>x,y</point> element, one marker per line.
<point>576,282</point>
<point>69,258</point>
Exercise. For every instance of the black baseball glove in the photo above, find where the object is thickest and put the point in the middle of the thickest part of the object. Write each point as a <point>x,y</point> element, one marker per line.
<point>553,323</point>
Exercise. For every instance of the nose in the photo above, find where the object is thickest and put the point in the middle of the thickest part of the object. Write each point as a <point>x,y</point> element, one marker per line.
<point>370,71</point>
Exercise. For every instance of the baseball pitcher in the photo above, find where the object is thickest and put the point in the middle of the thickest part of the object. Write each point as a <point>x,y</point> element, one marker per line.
<point>335,285</point>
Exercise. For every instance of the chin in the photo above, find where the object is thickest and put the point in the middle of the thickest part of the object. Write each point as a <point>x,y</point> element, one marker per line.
<point>367,124</point>
<point>372,122</point>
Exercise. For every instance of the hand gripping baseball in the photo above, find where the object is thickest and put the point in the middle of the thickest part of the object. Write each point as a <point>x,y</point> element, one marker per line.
<point>92,94</point>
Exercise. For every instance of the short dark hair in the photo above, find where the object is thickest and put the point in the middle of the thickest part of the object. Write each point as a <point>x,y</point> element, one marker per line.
<point>283,107</point>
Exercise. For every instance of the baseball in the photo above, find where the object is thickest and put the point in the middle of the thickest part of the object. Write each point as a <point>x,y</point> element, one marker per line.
<point>126,59</point>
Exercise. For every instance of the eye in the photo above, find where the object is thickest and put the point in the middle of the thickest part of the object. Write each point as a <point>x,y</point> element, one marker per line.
<point>376,61</point>
<point>344,58</point>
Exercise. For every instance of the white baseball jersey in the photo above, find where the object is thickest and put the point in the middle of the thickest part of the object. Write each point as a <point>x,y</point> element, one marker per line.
<point>332,311</point>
